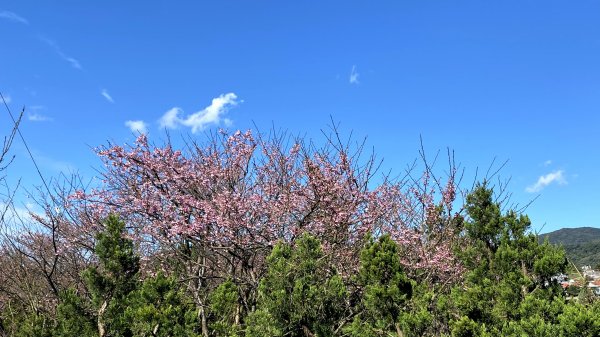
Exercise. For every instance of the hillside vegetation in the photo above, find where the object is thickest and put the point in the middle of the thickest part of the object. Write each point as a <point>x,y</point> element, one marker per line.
<point>582,245</point>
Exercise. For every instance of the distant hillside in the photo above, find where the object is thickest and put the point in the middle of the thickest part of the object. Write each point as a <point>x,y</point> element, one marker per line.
<point>581,244</point>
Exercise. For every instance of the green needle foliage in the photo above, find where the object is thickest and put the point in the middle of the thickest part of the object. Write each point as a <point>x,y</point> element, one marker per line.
<point>507,271</point>
<point>386,290</point>
<point>158,308</point>
<point>74,317</point>
<point>580,320</point>
<point>225,310</point>
<point>34,324</point>
<point>121,305</point>
<point>507,289</point>
<point>114,279</point>
<point>300,295</point>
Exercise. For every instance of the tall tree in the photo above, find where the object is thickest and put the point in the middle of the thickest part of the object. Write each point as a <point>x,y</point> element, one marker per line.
<point>301,295</point>
<point>507,267</point>
<point>114,279</point>
<point>386,291</point>
<point>160,309</point>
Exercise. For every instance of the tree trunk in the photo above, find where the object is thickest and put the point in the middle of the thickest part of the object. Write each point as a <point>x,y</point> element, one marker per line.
<point>307,331</point>
<point>399,331</point>
<point>101,328</point>
<point>203,322</point>
<point>526,274</point>
<point>203,314</point>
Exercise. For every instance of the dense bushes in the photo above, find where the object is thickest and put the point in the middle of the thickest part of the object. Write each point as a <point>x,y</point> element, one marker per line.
<point>250,237</point>
<point>507,290</point>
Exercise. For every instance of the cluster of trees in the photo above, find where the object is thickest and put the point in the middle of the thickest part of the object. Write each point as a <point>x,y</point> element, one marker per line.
<point>582,245</point>
<point>268,236</point>
<point>585,254</point>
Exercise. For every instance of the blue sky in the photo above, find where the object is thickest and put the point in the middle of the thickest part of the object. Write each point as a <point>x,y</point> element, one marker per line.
<point>512,80</point>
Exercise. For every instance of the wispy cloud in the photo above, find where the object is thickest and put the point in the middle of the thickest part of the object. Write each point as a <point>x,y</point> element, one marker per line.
<point>137,126</point>
<point>14,17</point>
<point>354,75</point>
<point>36,117</point>
<point>14,215</point>
<point>545,180</point>
<point>212,114</point>
<point>170,119</point>
<point>548,162</point>
<point>7,98</point>
<point>36,107</point>
<point>74,62</point>
<point>55,165</point>
<point>106,95</point>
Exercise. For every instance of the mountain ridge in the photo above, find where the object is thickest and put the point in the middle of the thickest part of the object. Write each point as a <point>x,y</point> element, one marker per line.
<point>582,244</point>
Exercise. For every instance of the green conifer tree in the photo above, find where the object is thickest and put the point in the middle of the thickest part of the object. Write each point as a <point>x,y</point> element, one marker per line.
<point>301,295</point>
<point>114,279</point>
<point>159,309</point>
<point>225,310</point>
<point>74,317</point>
<point>385,292</point>
<point>506,269</point>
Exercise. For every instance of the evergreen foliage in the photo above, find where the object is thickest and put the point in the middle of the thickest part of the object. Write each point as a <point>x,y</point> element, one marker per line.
<point>74,317</point>
<point>34,324</point>
<point>386,290</point>
<point>120,304</point>
<point>507,270</point>
<point>116,277</point>
<point>301,295</point>
<point>507,289</point>
<point>158,308</point>
<point>225,310</point>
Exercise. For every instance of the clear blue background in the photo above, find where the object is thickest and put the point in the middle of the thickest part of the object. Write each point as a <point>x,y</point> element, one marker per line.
<point>512,80</point>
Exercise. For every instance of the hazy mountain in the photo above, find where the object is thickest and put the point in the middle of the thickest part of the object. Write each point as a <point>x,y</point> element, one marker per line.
<point>581,244</point>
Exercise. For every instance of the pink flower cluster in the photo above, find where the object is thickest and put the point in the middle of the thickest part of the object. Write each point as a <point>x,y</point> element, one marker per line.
<point>239,194</point>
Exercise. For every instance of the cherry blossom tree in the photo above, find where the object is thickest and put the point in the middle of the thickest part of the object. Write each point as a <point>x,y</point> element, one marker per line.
<point>37,256</point>
<point>217,209</point>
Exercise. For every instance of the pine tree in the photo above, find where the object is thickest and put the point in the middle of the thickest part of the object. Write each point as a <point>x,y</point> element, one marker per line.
<point>33,324</point>
<point>225,310</point>
<point>114,279</point>
<point>386,291</point>
<point>74,317</point>
<point>506,269</point>
<point>300,295</point>
<point>159,309</point>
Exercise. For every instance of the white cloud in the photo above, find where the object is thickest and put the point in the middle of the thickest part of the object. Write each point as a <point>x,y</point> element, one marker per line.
<point>13,17</point>
<point>55,165</point>
<point>74,63</point>
<point>545,180</point>
<point>212,114</point>
<point>7,99</point>
<point>170,118</point>
<point>354,75</point>
<point>36,117</point>
<point>106,95</point>
<point>12,215</point>
<point>137,126</point>
<point>548,162</point>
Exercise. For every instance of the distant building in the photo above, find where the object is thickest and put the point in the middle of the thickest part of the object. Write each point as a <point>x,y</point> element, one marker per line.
<point>560,278</point>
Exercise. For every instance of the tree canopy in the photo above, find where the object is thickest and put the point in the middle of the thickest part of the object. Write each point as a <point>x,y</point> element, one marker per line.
<point>250,235</point>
